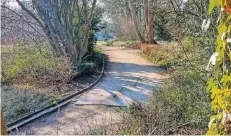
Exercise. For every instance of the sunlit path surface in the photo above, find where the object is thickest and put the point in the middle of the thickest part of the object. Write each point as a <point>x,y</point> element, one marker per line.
<point>128,78</point>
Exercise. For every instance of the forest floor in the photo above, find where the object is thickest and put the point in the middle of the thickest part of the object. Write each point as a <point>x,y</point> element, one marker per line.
<point>128,78</point>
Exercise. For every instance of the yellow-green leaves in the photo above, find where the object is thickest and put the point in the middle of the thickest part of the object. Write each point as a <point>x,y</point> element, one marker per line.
<point>213,4</point>
<point>220,85</point>
<point>222,28</point>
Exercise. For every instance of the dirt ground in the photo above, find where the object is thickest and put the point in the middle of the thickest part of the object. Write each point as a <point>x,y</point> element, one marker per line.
<point>128,78</point>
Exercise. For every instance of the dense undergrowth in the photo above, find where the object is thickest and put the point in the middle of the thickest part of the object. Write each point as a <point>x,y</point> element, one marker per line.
<point>159,54</point>
<point>181,105</point>
<point>32,78</point>
<point>31,67</point>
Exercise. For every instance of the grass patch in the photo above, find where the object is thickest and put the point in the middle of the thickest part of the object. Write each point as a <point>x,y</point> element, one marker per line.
<point>17,103</point>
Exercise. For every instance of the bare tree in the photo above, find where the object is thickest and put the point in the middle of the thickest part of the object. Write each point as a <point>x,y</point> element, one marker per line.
<point>18,26</point>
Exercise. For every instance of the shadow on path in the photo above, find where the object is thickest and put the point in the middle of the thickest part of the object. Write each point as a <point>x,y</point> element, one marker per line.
<point>128,78</point>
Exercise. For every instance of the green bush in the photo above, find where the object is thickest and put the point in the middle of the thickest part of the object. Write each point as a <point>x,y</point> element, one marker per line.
<point>96,57</point>
<point>92,63</point>
<point>87,67</point>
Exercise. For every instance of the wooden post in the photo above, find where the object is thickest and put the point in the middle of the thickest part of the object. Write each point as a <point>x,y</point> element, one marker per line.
<point>3,125</point>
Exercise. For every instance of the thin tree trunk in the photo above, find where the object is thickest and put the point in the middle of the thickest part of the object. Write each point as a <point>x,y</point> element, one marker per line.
<point>146,18</point>
<point>136,24</point>
<point>88,23</point>
<point>151,15</point>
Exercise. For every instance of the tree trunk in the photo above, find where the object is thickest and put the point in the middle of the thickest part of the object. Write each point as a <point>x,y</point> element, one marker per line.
<point>58,21</point>
<point>150,26</point>
<point>146,18</point>
<point>136,24</point>
<point>88,23</point>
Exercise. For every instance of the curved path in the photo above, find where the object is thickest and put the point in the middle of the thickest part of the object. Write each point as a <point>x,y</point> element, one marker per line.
<point>128,78</point>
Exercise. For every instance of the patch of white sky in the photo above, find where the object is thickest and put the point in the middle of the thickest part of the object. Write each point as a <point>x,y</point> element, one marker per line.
<point>183,4</point>
<point>13,4</point>
<point>10,3</point>
<point>105,16</point>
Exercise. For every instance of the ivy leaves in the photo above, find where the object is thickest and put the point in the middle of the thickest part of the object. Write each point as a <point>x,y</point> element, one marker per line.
<point>213,4</point>
<point>219,4</point>
<point>219,86</point>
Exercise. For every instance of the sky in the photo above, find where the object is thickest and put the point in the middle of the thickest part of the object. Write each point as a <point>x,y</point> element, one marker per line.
<point>11,3</point>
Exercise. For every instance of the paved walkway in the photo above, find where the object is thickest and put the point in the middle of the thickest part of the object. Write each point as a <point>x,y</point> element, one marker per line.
<point>128,78</point>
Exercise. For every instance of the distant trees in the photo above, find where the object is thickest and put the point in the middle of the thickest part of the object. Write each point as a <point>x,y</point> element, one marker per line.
<point>176,17</point>
<point>140,12</point>
<point>66,23</point>
<point>144,11</point>
<point>186,17</point>
<point>118,15</point>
